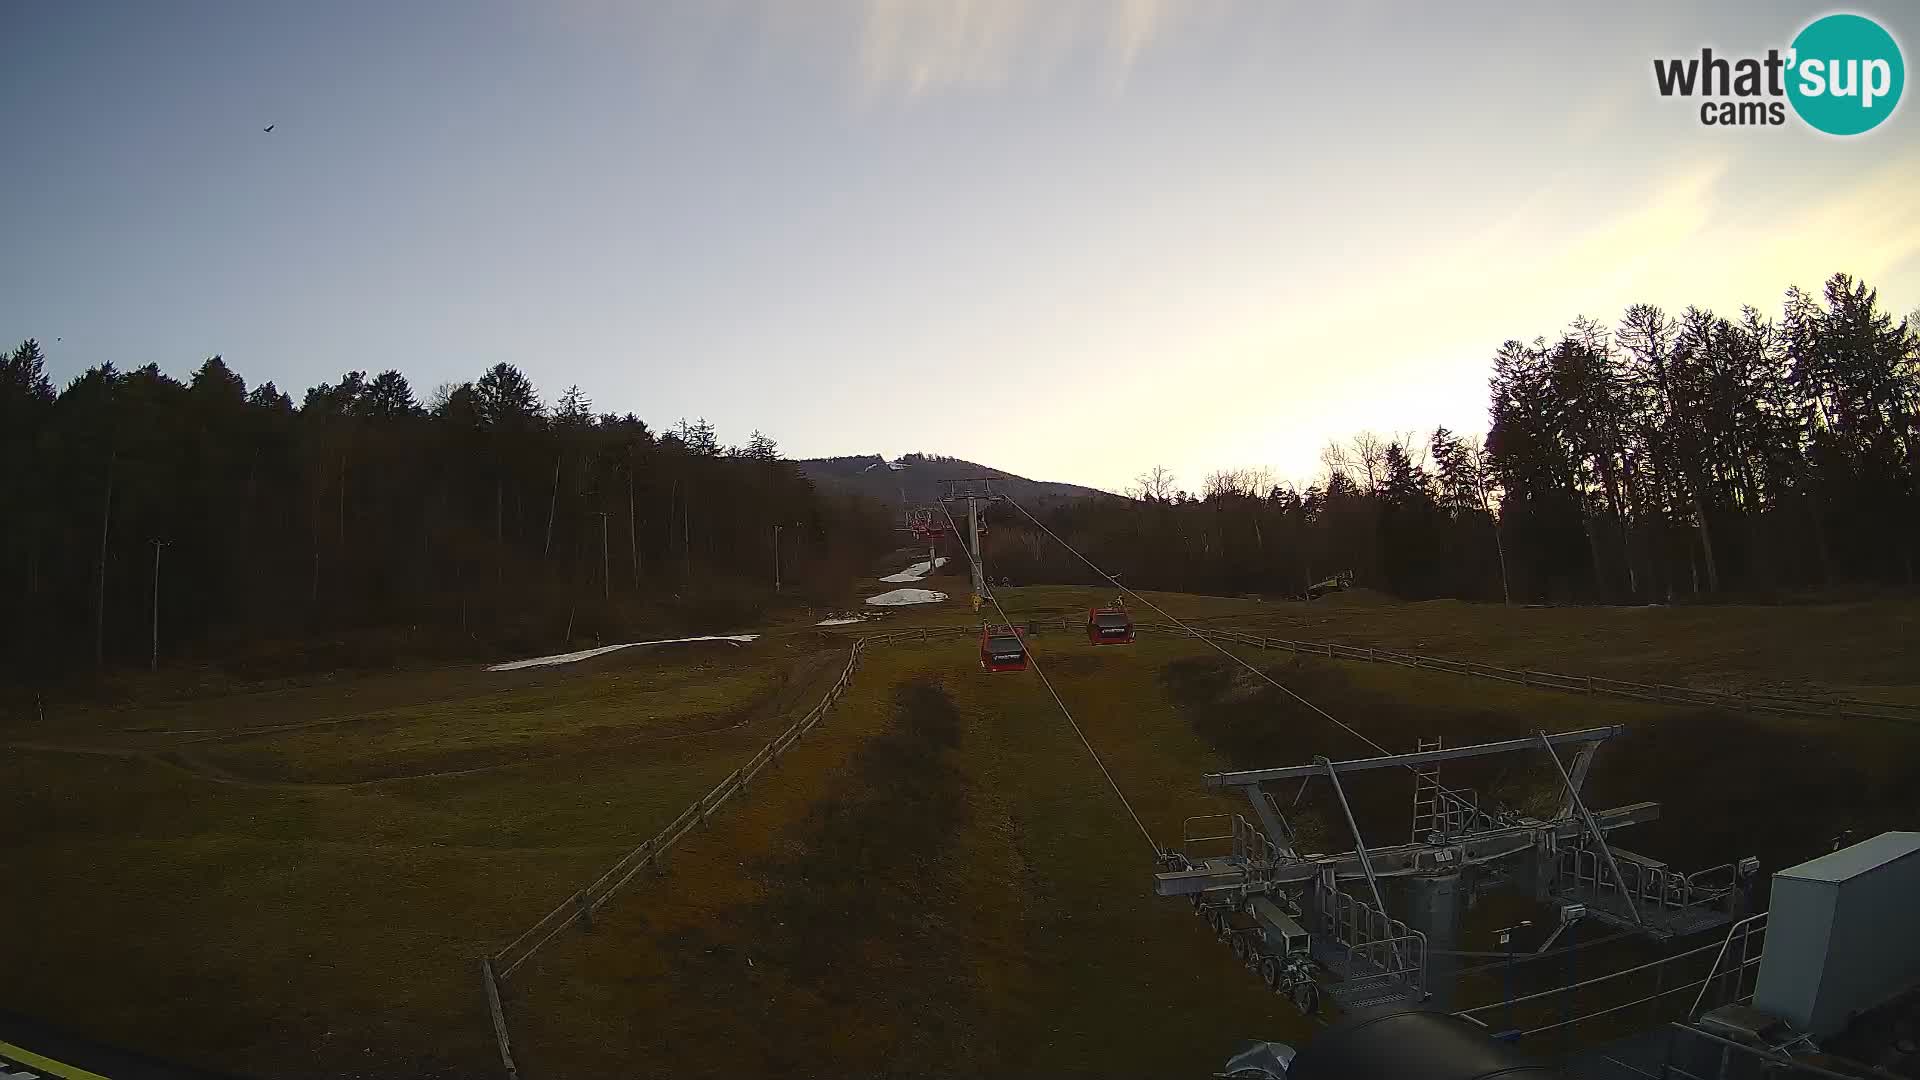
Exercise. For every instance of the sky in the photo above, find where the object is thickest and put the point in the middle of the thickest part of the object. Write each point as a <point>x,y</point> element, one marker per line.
<point>1071,239</point>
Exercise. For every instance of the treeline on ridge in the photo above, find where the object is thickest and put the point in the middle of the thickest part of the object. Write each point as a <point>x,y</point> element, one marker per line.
<point>1663,458</point>
<point>361,526</point>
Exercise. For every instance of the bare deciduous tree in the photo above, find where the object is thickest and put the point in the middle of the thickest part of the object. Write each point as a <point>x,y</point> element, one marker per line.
<point>1365,454</point>
<point>1157,485</point>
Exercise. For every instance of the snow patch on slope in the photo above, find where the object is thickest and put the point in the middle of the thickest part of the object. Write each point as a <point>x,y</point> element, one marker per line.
<point>915,572</point>
<point>588,654</point>
<point>906,596</point>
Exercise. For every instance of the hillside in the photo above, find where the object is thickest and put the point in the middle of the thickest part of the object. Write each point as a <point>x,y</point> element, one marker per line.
<point>317,867</point>
<point>923,477</point>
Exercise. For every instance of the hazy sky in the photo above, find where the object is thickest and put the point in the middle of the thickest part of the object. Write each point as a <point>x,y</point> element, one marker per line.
<point>1067,238</point>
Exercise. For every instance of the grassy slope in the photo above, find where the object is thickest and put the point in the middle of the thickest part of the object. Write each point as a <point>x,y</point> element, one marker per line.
<point>936,880</point>
<point>1020,935</point>
<point>656,703</point>
<point>1871,649</point>
<point>980,903</point>
<point>331,930</point>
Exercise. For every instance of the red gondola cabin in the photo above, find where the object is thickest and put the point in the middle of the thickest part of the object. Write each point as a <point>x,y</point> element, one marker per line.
<point>925,527</point>
<point>1109,626</point>
<point>1002,648</point>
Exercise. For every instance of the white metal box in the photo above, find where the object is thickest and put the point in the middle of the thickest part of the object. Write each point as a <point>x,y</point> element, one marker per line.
<point>1843,934</point>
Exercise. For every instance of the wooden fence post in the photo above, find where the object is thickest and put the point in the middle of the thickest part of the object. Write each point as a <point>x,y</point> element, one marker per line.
<point>499,1018</point>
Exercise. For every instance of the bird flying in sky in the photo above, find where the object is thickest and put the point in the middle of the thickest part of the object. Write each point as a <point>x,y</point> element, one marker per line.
<point>270,127</point>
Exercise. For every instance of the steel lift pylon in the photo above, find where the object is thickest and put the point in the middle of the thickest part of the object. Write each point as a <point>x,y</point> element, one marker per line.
<point>1297,918</point>
<point>974,493</point>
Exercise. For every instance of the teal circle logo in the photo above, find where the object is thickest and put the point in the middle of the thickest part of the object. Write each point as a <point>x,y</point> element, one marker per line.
<point>1846,74</point>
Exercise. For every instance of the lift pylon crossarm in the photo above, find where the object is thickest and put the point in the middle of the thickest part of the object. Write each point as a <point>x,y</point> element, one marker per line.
<point>1401,860</point>
<point>973,493</point>
<point>1392,761</point>
<point>980,488</point>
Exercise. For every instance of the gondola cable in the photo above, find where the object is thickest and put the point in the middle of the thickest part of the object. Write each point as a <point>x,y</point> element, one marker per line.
<point>974,557</point>
<point>1194,633</point>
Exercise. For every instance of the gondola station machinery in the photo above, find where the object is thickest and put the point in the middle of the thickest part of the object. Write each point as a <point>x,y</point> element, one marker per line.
<point>1358,927</point>
<point>1837,995</point>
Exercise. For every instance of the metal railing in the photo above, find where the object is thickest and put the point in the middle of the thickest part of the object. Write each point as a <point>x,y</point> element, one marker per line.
<point>1714,1057</point>
<point>1242,841</point>
<point>1663,890</point>
<point>1742,932</point>
<point>1364,932</point>
<point>1201,829</point>
<point>1457,810</point>
<point>1727,1055</point>
<point>1251,846</point>
<point>1402,958</point>
<point>1735,960</point>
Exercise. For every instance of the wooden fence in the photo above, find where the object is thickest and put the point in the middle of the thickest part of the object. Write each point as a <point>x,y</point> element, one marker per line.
<point>581,906</point>
<point>1748,701</point>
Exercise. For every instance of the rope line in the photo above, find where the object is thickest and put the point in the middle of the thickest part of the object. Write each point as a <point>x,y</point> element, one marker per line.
<point>980,572</point>
<point>1195,634</point>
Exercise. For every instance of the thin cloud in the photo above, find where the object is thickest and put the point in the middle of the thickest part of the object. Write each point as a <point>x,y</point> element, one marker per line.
<point>917,47</point>
<point>893,49</point>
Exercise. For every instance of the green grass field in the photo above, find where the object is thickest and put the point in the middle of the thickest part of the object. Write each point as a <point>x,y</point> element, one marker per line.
<point>1869,649</point>
<point>1011,928</point>
<point>936,880</point>
<point>190,899</point>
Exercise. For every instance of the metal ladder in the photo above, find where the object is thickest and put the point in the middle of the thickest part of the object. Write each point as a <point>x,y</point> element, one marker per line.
<point>1426,793</point>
